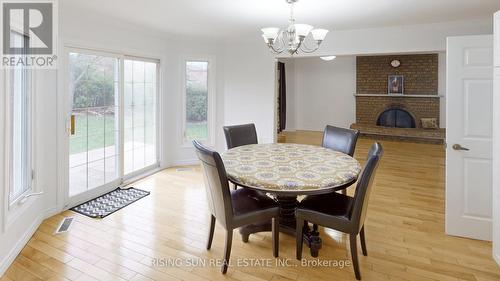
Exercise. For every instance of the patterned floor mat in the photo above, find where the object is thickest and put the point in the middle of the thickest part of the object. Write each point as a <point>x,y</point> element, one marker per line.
<point>110,202</point>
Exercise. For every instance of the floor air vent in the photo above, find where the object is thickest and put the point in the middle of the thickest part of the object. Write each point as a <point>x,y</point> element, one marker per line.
<point>65,225</point>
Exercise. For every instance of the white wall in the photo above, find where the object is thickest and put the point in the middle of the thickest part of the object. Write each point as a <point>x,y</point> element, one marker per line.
<point>324,92</point>
<point>250,87</point>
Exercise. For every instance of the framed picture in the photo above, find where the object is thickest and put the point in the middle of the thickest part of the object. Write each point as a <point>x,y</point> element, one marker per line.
<point>395,84</point>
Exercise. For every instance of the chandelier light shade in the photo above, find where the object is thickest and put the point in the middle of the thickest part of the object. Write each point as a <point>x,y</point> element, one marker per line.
<point>303,29</point>
<point>270,33</point>
<point>319,34</point>
<point>293,38</point>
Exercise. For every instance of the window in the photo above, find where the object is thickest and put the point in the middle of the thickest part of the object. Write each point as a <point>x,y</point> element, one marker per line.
<point>198,101</point>
<point>19,93</point>
<point>140,114</point>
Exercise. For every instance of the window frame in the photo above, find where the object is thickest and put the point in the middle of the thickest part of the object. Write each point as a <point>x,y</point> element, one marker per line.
<point>211,100</point>
<point>12,202</point>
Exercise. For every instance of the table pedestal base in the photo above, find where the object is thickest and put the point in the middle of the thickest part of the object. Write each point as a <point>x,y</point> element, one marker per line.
<point>287,204</point>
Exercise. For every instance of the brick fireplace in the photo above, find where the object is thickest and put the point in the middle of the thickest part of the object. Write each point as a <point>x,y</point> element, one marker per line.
<point>420,98</point>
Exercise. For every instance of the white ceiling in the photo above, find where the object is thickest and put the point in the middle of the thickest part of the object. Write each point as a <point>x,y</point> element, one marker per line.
<point>225,18</point>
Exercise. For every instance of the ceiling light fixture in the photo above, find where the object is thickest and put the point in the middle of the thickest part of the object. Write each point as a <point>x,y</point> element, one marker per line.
<point>328,58</point>
<point>294,37</point>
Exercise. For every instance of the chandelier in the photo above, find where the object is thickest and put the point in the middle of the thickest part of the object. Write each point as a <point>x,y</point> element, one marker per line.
<point>294,37</point>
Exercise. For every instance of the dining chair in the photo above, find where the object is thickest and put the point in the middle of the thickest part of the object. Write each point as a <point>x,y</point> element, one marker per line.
<point>342,140</point>
<point>341,212</point>
<point>233,208</point>
<point>239,135</point>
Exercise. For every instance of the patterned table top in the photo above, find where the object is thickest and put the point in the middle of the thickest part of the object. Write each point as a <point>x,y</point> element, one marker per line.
<point>283,167</point>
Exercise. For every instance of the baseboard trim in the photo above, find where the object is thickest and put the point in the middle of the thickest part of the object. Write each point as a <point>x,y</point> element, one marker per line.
<point>496,257</point>
<point>21,243</point>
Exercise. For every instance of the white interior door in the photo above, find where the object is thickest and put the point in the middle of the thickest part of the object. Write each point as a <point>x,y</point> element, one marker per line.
<point>496,142</point>
<point>469,136</point>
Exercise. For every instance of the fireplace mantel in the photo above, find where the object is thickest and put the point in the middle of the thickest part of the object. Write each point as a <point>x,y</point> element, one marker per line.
<point>398,96</point>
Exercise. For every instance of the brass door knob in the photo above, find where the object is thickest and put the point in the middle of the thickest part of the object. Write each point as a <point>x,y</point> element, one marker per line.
<point>459,147</point>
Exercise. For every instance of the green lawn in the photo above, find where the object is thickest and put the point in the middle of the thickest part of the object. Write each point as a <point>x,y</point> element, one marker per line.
<point>197,131</point>
<point>98,131</point>
<point>89,132</point>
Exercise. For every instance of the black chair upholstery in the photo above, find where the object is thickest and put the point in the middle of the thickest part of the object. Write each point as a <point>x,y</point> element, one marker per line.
<point>340,139</point>
<point>236,208</point>
<point>341,212</point>
<point>239,135</point>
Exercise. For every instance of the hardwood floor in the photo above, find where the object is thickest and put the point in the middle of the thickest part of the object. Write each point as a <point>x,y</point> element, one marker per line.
<point>404,232</point>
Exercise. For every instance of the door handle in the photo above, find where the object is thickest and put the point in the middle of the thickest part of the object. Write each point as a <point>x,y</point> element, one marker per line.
<point>459,147</point>
<point>72,125</point>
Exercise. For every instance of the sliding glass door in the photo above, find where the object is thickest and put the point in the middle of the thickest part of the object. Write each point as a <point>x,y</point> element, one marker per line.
<point>93,147</point>
<point>113,127</point>
<point>139,115</point>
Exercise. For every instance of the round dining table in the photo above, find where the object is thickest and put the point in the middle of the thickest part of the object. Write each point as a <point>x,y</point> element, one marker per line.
<point>286,171</point>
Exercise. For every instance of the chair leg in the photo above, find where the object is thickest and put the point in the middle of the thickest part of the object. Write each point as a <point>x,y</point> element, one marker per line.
<point>227,250</point>
<point>354,255</point>
<point>276,236</point>
<point>344,191</point>
<point>235,186</point>
<point>363,242</point>
<point>211,232</point>
<point>300,237</point>
<point>315,228</point>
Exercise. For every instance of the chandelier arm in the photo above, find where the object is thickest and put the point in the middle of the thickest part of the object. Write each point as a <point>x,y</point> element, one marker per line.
<point>306,49</point>
<point>310,51</point>
<point>277,47</point>
<point>275,50</point>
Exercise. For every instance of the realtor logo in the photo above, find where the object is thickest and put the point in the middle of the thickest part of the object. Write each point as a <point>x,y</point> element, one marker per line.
<point>28,34</point>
